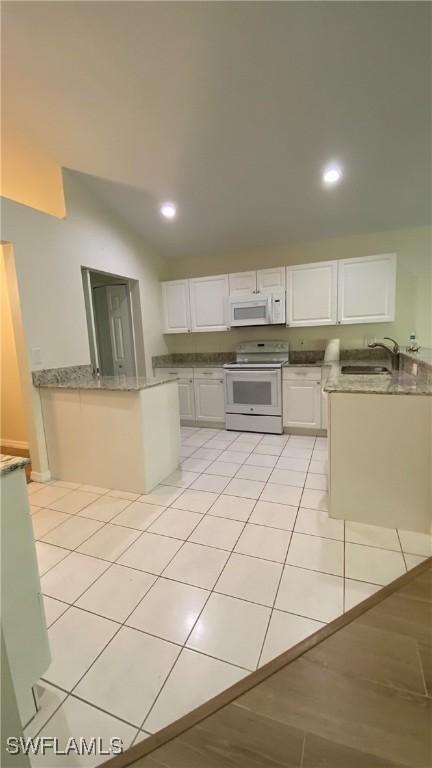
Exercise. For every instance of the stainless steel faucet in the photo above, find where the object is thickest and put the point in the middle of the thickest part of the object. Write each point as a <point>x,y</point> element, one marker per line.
<point>394,352</point>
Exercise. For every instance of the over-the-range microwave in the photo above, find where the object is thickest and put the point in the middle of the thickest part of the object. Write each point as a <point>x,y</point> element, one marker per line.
<point>256,309</point>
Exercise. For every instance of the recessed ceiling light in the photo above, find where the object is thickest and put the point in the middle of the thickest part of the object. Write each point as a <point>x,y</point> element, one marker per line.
<point>168,210</point>
<point>332,174</point>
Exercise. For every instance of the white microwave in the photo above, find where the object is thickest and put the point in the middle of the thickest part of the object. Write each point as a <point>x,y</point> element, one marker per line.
<point>256,309</point>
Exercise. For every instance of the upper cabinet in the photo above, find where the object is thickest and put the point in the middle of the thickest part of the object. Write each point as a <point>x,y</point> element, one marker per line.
<point>208,302</point>
<point>175,306</point>
<point>242,282</point>
<point>312,294</point>
<point>344,291</point>
<point>271,280</point>
<point>262,281</point>
<point>366,289</point>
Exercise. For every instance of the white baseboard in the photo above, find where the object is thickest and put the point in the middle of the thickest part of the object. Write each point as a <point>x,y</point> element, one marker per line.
<point>40,477</point>
<point>13,443</point>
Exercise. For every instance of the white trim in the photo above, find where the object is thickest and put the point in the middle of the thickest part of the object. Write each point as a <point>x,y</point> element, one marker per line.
<point>14,443</point>
<point>41,477</point>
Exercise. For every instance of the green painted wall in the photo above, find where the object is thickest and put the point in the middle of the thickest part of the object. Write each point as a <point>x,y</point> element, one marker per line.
<point>413,293</point>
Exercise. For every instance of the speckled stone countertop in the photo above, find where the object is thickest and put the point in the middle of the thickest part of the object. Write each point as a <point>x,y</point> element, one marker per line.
<point>11,463</point>
<point>394,383</point>
<point>81,377</point>
<point>193,360</point>
<point>424,355</point>
<point>303,357</point>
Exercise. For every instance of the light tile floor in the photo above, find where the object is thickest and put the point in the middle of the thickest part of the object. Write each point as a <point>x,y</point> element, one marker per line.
<point>157,603</point>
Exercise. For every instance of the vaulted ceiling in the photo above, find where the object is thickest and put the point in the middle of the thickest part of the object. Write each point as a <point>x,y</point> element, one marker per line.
<point>231,109</point>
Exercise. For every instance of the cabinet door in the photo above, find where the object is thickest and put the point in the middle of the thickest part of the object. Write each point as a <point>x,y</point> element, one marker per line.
<point>175,306</point>
<point>366,289</point>
<point>208,297</point>
<point>186,399</point>
<point>269,280</point>
<point>242,282</point>
<point>312,294</point>
<point>301,404</point>
<point>209,400</point>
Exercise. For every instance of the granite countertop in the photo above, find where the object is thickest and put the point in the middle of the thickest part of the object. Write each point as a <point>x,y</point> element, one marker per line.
<point>11,463</point>
<point>81,377</point>
<point>117,383</point>
<point>193,360</point>
<point>424,355</point>
<point>394,383</point>
<point>194,364</point>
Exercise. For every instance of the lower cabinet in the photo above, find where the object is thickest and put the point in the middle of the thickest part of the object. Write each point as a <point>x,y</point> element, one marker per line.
<point>186,399</point>
<point>209,400</point>
<point>302,399</point>
<point>201,392</point>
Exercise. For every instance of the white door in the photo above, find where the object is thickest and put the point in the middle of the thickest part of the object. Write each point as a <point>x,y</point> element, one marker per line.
<point>301,404</point>
<point>175,306</point>
<point>366,289</point>
<point>120,324</point>
<point>186,399</point>
<point>209,400</point>
<point>208,299</point>
<point>271,280</point>
<point>242,282</point>
<point>312,294</point>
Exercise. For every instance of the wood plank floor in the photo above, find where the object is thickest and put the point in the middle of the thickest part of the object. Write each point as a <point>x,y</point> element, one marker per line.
<point>361,698</point>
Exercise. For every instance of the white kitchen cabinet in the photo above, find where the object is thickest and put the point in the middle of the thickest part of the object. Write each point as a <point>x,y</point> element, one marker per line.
<point>186,399</point>
<point>366,289</point>
<point>176,306</point>
<point>271,280</point>
<point>262,281</point>
<point>242,282</point>
<point>209,298</point>
<point>209,399</point>
<point>312,294</point>
<point>301,398</point>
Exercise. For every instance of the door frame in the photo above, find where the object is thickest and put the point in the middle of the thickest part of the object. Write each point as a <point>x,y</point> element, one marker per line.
<point>135,312</point>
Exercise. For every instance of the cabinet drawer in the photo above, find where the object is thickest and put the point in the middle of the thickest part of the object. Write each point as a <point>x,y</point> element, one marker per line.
<point>209,373</point>
<point>181,373</point>
<point>297,372</point>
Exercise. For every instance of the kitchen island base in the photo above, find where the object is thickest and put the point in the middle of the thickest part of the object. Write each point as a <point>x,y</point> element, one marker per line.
<point>126,439</point>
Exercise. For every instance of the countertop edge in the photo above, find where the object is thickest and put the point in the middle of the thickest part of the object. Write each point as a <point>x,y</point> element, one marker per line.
<point>13,463</point>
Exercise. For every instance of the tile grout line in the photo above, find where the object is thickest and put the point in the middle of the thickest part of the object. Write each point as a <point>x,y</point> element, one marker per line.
<point>213,590</point>
<point>281,575</point>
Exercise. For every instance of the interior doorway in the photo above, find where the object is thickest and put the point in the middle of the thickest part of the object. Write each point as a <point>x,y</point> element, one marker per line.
<point>112,322</point>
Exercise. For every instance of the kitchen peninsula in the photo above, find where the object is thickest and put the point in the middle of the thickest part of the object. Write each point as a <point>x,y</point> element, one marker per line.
<point>111,431</point>
<point>380,445</point>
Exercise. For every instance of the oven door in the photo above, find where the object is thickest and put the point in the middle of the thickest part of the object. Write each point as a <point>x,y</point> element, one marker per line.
<point>250,310</point>
<point>256,392</point>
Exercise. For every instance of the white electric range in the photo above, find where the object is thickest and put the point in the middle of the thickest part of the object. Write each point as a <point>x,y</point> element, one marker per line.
<point>253,387</point>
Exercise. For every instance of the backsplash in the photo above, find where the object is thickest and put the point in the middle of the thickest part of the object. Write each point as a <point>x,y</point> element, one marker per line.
<point>409,361</point>
<point>310,338</point>
<point>295,356</point>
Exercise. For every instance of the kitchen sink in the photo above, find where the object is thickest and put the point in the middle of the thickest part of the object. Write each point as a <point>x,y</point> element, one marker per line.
<point>366,369</point>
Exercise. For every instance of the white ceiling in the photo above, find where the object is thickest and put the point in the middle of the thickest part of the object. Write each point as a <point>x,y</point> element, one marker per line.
<point>231,109</point>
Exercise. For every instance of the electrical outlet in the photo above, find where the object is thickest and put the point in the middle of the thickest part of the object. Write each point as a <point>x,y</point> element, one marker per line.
<point>36,356</point>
